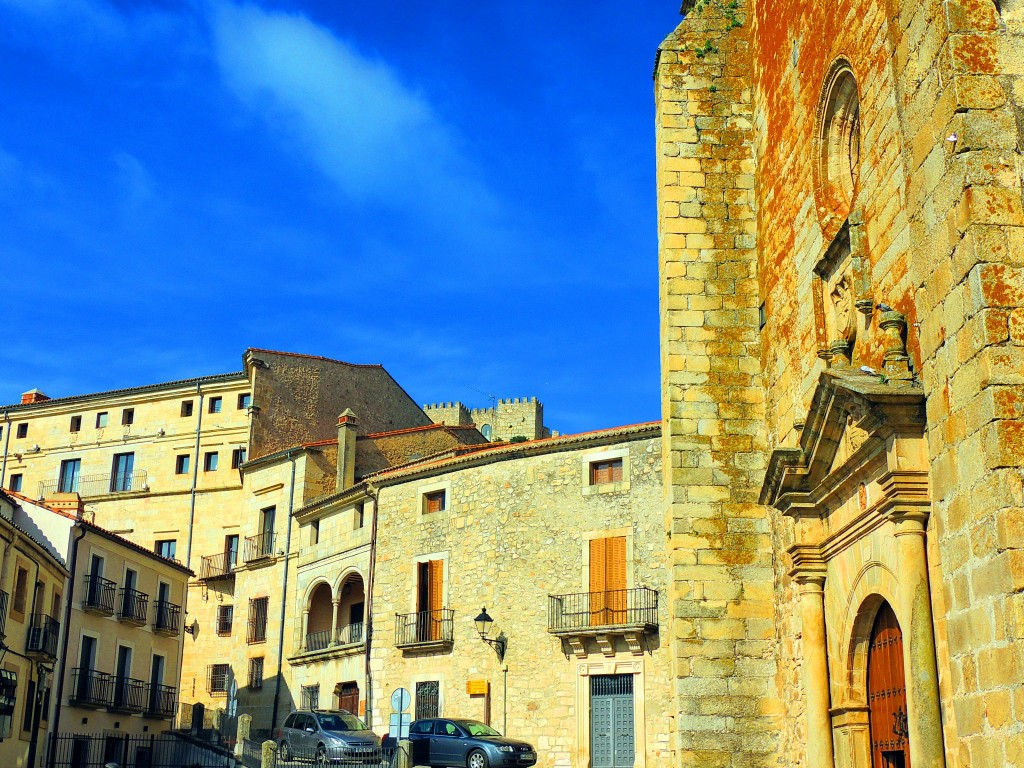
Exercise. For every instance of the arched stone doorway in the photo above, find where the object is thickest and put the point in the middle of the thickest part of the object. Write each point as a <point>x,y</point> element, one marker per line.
<point>887,693</point>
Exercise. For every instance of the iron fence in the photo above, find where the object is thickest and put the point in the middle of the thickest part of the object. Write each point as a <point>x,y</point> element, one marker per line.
<point>99,594</point>
<point>294,756</point>
<point>161,701</point>
<point>317,641</point>
<point>72,750</point>
<point>618,607</point>
<point>349,634</point>
<point>129,694</point>
<point>167,618</point>
<point>259,546</point>
<point>217,566</point>
<point>99,485</point>
<point>424,627</point>
<point>91,688</point>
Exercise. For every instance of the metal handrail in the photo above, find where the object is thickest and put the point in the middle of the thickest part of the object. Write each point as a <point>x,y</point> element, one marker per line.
<point>425,627</point>
<point>317,641</point>
<point>134,606</point>
<point>616,607</point>
<point>349,634</point>
<point>42,635</point>
<point>91,687</point>
<point>100,485</point>
<point>161,701</point>
<point>129,694</point>
<point>167,617</point>
<point>217,566</point>
<point>259,546</point>
<point>99,594</point>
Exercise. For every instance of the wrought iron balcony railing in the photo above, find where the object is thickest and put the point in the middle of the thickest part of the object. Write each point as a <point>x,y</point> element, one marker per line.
<point>350,634</point>
<point>217,566</point>
<point>134,606</point>
<point>258,547</point>
<point>90,688</point>
<point>99,594</point>
<point>626,608</point>
<point>4,597</point>
<point>318,641</point>
<point>42,635</point>
<point>98,485</point>
<point>167,617</point>
<point>161,701</point>
<point>424,628</point>
<point>129,695</point>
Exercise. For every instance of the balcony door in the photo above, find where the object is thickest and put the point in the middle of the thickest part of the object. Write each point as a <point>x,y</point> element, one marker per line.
<point>121,472</point>
<point>131,580</point>
<point>156,681</point>
<point>95,580</point>
<point>70,473</point>
<point>267,519</point>
<point>86,662</point>
<point>608,581</point>
<point>124,673</point>
<point>430,600</point>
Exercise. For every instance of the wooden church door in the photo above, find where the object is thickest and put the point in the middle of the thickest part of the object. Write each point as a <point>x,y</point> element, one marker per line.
<point>887,693</point>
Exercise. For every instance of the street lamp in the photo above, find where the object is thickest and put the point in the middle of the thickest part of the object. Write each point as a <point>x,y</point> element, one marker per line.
<point>483,626</point>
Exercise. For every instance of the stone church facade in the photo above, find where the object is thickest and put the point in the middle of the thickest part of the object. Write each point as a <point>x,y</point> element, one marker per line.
<point>841,238</point>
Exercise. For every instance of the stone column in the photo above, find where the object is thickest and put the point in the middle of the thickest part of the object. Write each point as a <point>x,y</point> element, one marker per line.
<point>334,620</point>
<point>809,574</point>
<point>924,720</point>
<point>305,628</point>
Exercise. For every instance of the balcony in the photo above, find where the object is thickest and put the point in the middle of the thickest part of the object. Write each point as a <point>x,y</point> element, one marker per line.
<point>167,619</point>
<point>161,701</point>
<point>626,613</point>
<point>350,634</point>
<point>99,595</point>
<point>220,566</point>
<point>4,597</point>
<point>318,641</point>
<point>425,631</point>
<point>129,695</point>
<point>90,688</point>
<point>258,547</point>
<point>134,607</point>
<point>99,485</point>
<point>42,636</point>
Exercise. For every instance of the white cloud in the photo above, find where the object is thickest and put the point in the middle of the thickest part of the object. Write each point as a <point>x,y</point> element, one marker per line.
<point>375,136</point>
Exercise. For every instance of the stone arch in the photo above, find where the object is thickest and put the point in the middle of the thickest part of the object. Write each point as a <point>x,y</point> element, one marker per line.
<point>320,606</point>
<point>351,596</point>
<point>345,575</point>
<point>308,594</point>
<point>873,585</point>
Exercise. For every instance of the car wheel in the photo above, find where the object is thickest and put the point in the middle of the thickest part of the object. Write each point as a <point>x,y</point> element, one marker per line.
<point>476,759</point>
<point>284,752</point>
<point>321,755</point>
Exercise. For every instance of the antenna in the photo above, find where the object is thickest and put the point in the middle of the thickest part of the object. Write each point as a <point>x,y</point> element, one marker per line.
<point>492,398</point>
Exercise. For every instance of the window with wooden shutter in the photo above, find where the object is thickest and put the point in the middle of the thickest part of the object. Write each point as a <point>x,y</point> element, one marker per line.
<point>608,580</point>
<point>433,501</point>
<point>430,599</point>
<point>609,471</point>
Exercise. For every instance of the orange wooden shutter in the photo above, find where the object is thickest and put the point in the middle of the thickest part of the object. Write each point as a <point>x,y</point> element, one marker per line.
<point>615,579</point>
<point>436,591</point>
<point>598,580</point>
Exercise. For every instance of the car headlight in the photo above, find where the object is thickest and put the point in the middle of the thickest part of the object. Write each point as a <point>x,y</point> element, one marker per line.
<point>504,748</point>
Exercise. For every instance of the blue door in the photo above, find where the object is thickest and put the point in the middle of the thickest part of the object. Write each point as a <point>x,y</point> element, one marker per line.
<point>612,733</point>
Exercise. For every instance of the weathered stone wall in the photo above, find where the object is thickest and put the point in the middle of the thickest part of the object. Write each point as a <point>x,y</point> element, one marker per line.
<point>723,631</point>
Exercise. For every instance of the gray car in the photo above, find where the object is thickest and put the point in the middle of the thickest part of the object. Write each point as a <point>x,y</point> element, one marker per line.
<point>442,742</point>
<point>327,737</point>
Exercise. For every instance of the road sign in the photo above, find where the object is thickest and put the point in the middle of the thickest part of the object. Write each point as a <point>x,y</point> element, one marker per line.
<point>398,726</point>
<point>401,699</point>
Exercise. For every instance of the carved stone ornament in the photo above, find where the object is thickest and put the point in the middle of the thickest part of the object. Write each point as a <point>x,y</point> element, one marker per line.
<point>897,361</point>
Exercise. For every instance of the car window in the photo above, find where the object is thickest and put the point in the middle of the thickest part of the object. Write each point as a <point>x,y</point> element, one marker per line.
<point>446,728</point>
<point>289,721</point>
<point>340,721</point>
<point>478,729</point>
<point>422,726</point>
<point>307,722</point>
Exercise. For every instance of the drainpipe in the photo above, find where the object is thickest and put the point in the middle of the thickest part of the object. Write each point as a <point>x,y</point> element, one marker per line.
<point>7,442</point>
<point>195,479</point>
<point>372,493</point>
<point>67,634</point>
<point>284,595</point>
<point>38,668</point>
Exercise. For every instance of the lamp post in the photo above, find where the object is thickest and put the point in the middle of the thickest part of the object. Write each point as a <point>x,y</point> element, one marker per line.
<point>483,626</point>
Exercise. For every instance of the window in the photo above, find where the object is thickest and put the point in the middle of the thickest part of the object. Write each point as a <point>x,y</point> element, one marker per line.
<point>258,620</point>
<point>186,408</point>
<point>428,699</point>
<point>434,501</point>
<point>231,550</point>
<point>430,600</point>
<point>608,471</point>
<point>608,580</point>
<point>210,462</point>
<point>225,618</point>
<point>237,458</point>
<point>127,416</point>
<point>23,430</point>
<point>215,404</point>
<point>121,472</point>
<point>311,697</point>
<point>167,548</point>
<point>244,400</point>
<point>15,483</point>
<point>256,673</point>
<point>101,419</point>
<point>70,470</point>
<point>20,592</point>
<point>217,678</point>
<point>76,424</point>
<point>181,464</point>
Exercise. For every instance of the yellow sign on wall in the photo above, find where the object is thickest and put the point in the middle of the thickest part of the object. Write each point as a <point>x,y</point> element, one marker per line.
<point>477,687</point>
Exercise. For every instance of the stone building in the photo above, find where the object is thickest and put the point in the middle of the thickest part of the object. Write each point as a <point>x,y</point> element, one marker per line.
<point>842,303</point>
<point>506,419</point>
<point>560,540</point>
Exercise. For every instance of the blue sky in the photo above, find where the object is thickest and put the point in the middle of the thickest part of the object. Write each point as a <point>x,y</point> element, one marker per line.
<point>462,192</point>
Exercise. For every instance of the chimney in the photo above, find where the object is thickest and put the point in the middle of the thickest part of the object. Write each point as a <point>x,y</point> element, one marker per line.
<point>347,425</point>
<point>33,396</point>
